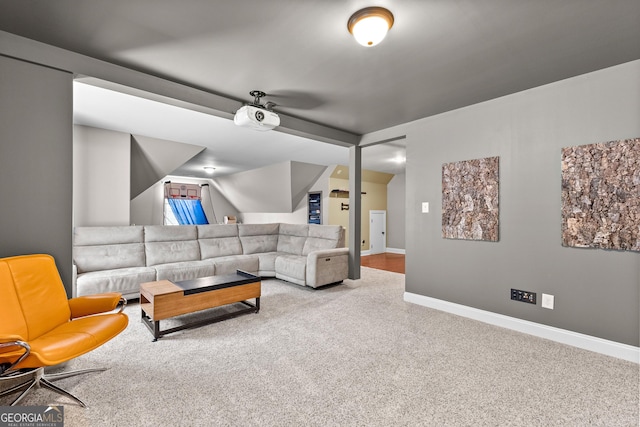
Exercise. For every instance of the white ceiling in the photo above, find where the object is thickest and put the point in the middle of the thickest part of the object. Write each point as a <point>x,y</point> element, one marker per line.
<point>439,55</point>
<point>229,149</point>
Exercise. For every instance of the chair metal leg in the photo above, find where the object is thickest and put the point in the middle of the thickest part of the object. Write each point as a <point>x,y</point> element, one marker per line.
<point>40,379</point>
<point>61,375</point>
<point>33,384</point>
<point>16,388</point>
<point>31,375</point>
<point>51,386</point>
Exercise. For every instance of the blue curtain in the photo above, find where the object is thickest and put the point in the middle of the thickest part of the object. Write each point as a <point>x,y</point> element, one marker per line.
<point>188,211</point>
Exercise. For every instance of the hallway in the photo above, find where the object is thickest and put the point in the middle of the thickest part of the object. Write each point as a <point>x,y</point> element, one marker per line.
<point>386,261</point>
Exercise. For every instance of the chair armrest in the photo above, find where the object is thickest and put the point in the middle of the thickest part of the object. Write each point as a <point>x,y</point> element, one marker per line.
<point>4,369</point>
<point>94,304</point>
<point>9,338</point>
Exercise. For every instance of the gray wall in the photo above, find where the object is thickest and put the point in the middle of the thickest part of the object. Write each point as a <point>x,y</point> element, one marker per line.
<point>36,162</point>
<point>396,196</point>
<point>101,178</point>
<point>596,291</point>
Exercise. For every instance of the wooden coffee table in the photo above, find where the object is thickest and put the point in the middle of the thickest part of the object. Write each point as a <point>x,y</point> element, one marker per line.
<point>164,299</point>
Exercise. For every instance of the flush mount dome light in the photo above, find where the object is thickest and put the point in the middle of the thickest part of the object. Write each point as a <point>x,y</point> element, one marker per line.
<point>209,169</point>
<point>369,26</point>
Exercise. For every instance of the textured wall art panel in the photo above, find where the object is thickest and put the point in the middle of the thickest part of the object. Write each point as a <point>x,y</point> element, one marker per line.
<point>470,195</point>
<point>601,195</point>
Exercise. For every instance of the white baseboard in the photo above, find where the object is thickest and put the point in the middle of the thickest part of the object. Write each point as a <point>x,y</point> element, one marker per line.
<point>395,251</point>
<point>575,339</point>
<point>365,253</point>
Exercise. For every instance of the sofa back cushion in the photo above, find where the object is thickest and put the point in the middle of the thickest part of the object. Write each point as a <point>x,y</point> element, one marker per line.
<point>323,237</point>
<point>106,248</point>
<point>292,238</point>
<point>218,240</point>
<point>258,238</point>
<point>171,243</point>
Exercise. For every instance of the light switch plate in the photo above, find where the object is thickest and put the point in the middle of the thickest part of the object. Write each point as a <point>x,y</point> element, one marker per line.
<point>425,207</point>
<point>547,301</point>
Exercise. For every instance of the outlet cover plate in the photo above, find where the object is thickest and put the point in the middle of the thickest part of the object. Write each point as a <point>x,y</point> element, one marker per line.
<point>547,301</point>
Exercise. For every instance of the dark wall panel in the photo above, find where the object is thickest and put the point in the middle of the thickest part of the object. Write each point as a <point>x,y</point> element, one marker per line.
<point>36,116</point>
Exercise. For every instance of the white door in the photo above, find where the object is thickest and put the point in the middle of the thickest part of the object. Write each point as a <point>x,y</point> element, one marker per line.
<point>377,232</point>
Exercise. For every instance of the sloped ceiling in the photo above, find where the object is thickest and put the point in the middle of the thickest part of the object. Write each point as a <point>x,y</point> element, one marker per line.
<point>152,159</point>
<point>270,189</point>
<point>342,172</point>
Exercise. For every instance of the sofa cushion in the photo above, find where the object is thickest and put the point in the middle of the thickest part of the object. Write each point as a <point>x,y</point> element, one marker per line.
<point>104,248</point>
<point>292,238</point>
<point>267,263</point>
<point>211,231</point>
<point>169,233</point>
<point>258,229</point>
<point>316,244</point>
<point>91,236</point>
<point>291,267</point>
<point>168,252</point>
<point>322,237</point>
<point>230,264</point>
<point>165,244</point>
<point>107,257</point>
<point>220,246</point>
<point>258,238</point>
<point>177,271</point>
<point>331,232</point>
<point>124,280</point>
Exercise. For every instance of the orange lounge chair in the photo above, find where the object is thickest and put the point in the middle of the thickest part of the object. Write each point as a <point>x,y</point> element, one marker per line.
<point>40,327</point>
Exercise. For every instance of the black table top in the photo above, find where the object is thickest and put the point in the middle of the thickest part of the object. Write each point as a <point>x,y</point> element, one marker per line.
<point>211,283</point>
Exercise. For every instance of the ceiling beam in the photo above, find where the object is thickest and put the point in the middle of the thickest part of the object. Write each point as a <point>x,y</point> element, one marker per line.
<point>95,71</point>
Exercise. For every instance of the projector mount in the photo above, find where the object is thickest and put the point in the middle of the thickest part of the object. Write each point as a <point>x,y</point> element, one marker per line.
<point>257,94</point>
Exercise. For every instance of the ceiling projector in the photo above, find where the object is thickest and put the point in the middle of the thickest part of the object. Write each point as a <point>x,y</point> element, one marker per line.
<point>255,117</point>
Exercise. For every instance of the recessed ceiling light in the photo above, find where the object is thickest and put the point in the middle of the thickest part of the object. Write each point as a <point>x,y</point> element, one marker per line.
<point>370,25</point>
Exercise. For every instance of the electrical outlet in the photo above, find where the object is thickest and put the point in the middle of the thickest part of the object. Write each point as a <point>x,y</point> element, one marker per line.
<point>524,296</point>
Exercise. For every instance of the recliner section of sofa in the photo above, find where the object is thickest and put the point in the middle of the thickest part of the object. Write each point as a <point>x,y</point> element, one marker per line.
<point>118,259</point>
<point>110,259</point>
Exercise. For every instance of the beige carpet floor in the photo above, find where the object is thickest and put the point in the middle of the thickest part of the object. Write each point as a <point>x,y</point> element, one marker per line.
<point>354,354</point>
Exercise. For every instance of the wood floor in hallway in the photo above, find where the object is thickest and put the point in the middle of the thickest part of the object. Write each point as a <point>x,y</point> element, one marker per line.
<point>386,261</point>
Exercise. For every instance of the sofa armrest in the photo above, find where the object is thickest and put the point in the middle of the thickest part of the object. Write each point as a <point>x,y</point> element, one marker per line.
<point>328,253</point>
<point>327,266</point>
<point>95,304</point>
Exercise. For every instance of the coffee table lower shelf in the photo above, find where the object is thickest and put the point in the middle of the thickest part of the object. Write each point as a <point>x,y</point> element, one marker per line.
<point>163,299</point>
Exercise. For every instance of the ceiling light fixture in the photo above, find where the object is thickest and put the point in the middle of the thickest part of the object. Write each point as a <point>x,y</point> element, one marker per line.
<point>369,26</point>
<point>209,169</point>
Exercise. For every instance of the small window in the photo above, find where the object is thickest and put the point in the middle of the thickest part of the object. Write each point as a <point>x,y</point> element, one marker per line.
<point>183,205</point>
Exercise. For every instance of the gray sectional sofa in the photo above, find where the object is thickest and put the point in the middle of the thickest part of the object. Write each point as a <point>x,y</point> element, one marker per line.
<point>118,259</point>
